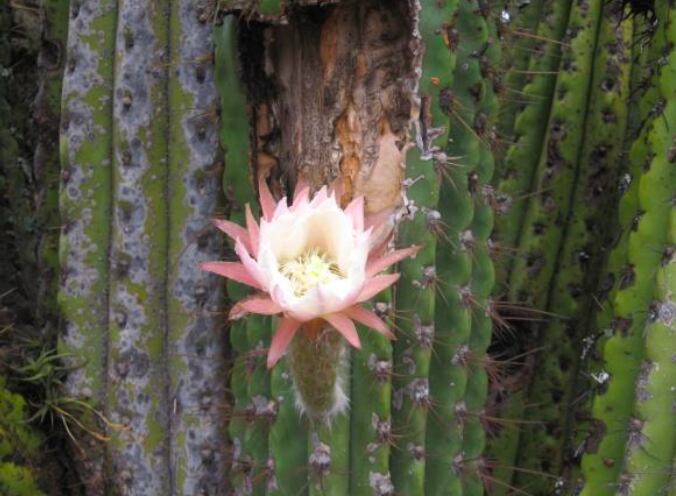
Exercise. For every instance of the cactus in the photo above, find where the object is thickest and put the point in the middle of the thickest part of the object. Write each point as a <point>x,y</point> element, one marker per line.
<point>555,114</point>
<point>136,308</point>
<point>417,289</point>
<point>605,469</point>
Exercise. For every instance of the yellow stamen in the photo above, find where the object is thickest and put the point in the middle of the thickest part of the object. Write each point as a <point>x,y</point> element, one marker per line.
<point>310,269</point>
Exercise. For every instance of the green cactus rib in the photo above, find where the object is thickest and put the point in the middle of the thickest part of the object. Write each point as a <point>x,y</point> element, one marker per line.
<point>329,458</point>
<point>517,49</point>
<point>521,162</point>
<point>652,443</point>
<point>623,351</point>
<point>449,471</point>
<point>416,289</point>
<point>288,438</point>
<point>85,201</point>
<point>483,275</point>
<point>370,412</point>
<point>46,167</point>
<point>138,254</point>
<point>586,234</point>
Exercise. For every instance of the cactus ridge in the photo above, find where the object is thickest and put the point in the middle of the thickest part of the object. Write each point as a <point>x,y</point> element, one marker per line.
<point>417,288</point>
<point>581,251</point>
<point>620,409</point>
<point>518,170</point>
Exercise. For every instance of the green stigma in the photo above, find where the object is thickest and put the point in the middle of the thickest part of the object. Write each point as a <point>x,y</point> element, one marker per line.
<point>309,269</point>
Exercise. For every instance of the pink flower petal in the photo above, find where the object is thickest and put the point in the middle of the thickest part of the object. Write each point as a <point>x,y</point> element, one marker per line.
<point>375,285</point>
<point>254,304</point>
<point>345,326</point>
<point>369,319</point>
<point>281,339</point>
<point>232,270</point>
<point>233,230</point>
<point>375,266</point>
<point>355,210</point>
<point>266,199</point>
<point>250,264</point>
<point>253,230</point>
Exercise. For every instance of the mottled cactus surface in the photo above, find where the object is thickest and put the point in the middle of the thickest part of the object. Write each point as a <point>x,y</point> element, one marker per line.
<point>528,146</point>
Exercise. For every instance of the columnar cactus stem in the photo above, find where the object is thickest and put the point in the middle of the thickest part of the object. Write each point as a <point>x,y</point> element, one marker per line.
<point>85,204</point>
<point>138,255</point>
<point>586,234</point>
<point>521,161</point>
<point>370,410</point>
<point>651,444</point>
<point>416,290</point>
<point>643,247</point>
<point>447,469</point>
<point>518,46</point>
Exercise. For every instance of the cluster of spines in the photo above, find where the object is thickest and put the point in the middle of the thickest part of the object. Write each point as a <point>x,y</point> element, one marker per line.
<point>628,431</point>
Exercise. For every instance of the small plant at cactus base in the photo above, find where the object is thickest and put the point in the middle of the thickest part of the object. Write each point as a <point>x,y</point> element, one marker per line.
<point>312,263</point>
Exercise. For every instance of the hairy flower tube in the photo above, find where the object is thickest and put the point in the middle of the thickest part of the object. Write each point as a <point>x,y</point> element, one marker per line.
<point>311,262</point>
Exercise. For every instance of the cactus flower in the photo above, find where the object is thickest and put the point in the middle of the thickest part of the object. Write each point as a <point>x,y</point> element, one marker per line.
<point>310,261</point>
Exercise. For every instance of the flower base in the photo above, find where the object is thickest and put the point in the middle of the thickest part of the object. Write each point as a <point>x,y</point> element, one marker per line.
<point>319,369</point>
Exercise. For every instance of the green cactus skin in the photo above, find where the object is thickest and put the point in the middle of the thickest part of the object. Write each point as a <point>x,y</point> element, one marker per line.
<point>329,458</point>
<point>521,161</point>
<point>370,411</point>
<point>20,446</point>
<point>623,352</point>
<point>85,203</point>
<point>543,223</point>
<point>449,471</point>
<point>517,48</point>
<point>47,105</point>
<point>652,443</point>
<point>543,444</point>
<point>416,289</point>
<point>483,274</point>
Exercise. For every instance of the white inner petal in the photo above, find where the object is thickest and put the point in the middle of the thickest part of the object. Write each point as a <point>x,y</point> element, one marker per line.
<point>313,258</point>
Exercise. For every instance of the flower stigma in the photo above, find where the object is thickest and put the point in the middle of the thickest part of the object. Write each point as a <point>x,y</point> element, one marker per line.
<point>309,269</point>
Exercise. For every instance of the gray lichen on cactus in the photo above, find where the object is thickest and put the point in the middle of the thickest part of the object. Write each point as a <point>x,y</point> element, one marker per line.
<point>140,181</point>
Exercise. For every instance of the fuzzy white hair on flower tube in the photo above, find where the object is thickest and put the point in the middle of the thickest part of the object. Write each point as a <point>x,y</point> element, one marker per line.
<point>309,261</point>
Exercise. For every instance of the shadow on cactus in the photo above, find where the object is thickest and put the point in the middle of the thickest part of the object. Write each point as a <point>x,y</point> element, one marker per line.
<point>313,264</point>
